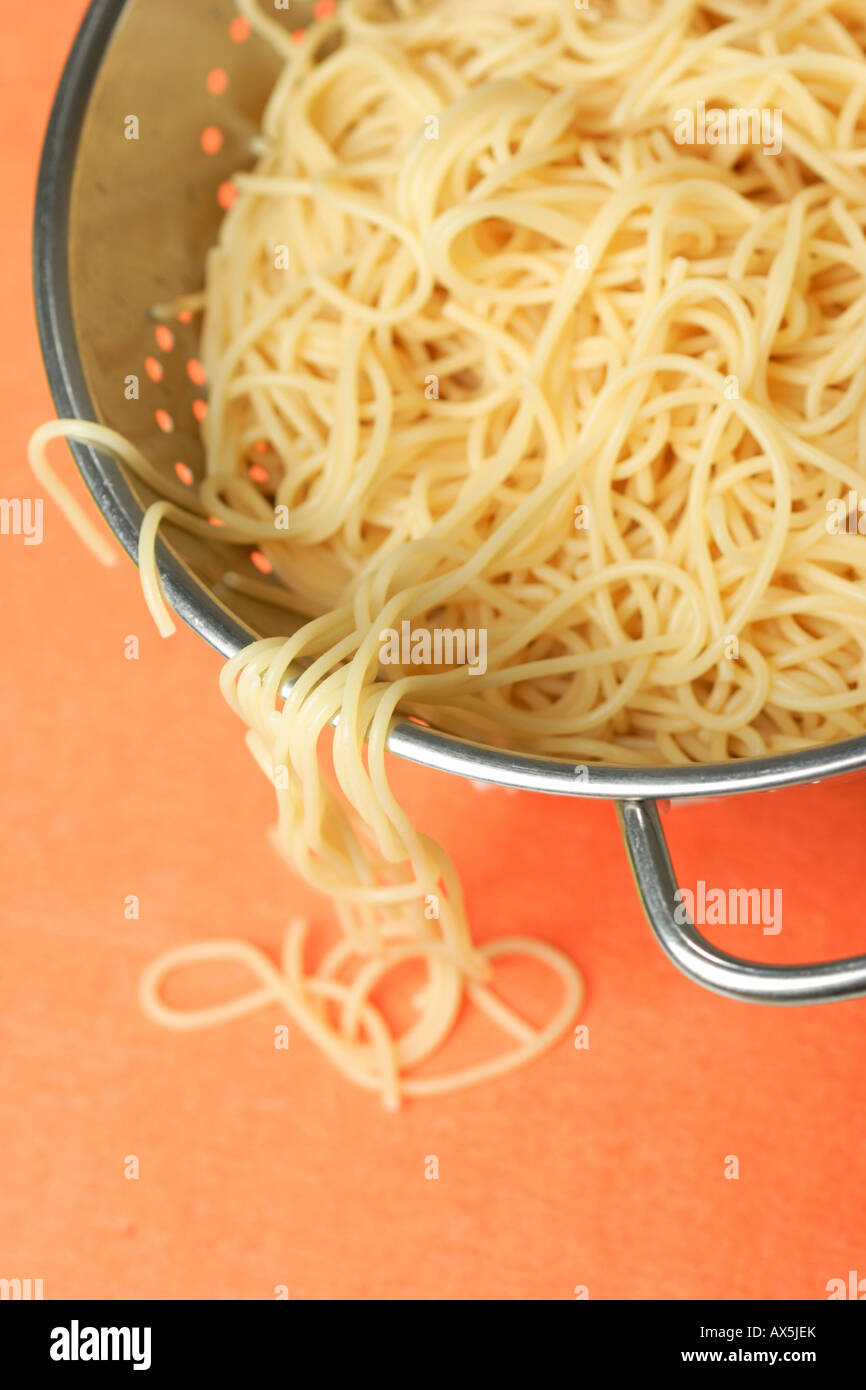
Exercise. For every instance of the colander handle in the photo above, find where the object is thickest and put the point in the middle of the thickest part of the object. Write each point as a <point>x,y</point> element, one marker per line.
<point>821,983</point>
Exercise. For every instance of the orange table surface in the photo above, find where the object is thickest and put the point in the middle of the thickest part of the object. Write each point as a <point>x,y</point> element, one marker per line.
<point>258,1168</point>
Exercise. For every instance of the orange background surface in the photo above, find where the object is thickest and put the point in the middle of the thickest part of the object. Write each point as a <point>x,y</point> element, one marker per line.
<point>258,1168</point>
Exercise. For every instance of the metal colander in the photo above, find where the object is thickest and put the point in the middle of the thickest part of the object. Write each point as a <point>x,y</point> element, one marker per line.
<point>123,224</point>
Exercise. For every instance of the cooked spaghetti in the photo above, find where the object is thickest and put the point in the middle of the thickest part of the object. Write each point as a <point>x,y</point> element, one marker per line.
<point>546,323</point>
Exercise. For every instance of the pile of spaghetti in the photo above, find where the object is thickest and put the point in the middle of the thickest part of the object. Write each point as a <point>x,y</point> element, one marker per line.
<point>528,361</point>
